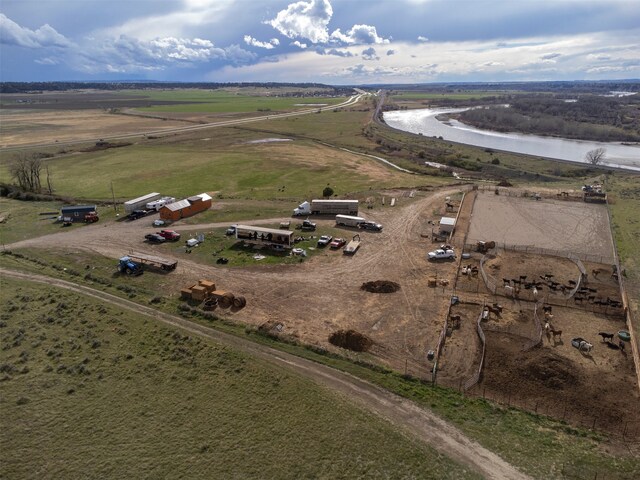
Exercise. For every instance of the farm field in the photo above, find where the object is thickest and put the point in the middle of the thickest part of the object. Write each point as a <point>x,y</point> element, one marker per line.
<point>112,394</point>
<point>309,301</point>
<point>90,115</point>
<point>224,163</point>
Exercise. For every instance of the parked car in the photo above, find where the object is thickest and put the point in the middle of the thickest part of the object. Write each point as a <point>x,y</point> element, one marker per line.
<point>169,235</point>
<point>324,240</point>
<point>136,214</point>
<point>154,238</point>
<point>441,254</point>
<point>373,226</point>
<point>307,226</point>
<point>338,243</point>
<point>159,223</point>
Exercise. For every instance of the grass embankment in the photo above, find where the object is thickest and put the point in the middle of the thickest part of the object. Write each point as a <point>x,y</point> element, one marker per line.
<point>93,391</point>
<point>542,447</point>
<point>224,101</point>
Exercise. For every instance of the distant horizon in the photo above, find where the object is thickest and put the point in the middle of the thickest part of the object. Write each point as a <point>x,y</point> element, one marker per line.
<point>268,82</point>
<point>334,42</point>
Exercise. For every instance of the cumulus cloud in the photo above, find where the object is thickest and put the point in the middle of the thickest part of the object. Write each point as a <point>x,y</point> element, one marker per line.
<point>45,36</point>
<point>126,54</point>
<point>299,45</point>
<point>422,39</point>
<point>359,34</point>
<point>370,54</point>
<point>335,52</point>
<point>391,52</point>
<point>249,40</point>
<point>308,20</point>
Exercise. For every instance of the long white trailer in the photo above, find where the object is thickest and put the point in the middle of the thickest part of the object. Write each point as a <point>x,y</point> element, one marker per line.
<point>327,207</point>
<point>349,220</point>
<point>140,202</point>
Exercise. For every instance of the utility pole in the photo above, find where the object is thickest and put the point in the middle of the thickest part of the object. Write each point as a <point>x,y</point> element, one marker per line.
<point>113,196</point>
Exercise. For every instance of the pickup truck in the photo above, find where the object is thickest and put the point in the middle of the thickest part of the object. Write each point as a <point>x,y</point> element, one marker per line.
<point>169,235</point>
<point>136,214</point>
<point>324,240</point>
<point>154,238</point>
<point>307,226</point>
<point>337,243</point>
<point>441,254</point>
<point>372,226</point>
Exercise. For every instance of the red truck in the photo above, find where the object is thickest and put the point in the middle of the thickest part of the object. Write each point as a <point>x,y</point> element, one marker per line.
<point>169,235</point>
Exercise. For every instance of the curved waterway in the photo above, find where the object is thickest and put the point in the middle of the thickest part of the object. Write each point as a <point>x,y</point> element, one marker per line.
<point>424,121</point>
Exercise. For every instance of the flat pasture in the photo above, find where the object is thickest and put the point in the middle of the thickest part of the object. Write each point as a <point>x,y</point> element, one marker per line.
<point>223,162</point>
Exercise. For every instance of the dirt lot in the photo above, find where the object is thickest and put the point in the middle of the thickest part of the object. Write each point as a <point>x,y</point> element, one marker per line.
<point>314,299</point>
<point>581,228</point>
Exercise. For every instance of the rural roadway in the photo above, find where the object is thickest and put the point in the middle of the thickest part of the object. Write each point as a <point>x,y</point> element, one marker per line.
<point>224,123</point>
<point>403,413</point>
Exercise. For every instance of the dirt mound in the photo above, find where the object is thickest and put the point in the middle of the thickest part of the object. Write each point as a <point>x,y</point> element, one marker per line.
<point>380,286</point>
<point>351,340</point>
<point>551,370</point>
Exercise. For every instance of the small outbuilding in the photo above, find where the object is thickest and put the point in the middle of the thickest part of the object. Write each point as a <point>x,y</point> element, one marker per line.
<point>77,213</point>
<point>447,224</point>
<point>264,236</point>
<point>186,208</point>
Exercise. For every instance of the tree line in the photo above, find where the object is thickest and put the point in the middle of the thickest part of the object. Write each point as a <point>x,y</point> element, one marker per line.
<point>588,117</point>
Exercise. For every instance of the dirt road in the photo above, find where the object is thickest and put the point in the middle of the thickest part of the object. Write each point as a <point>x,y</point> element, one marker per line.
<point>401,412</point>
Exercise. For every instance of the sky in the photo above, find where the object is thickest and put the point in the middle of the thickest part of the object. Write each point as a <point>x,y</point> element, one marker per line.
<point>334,42</point>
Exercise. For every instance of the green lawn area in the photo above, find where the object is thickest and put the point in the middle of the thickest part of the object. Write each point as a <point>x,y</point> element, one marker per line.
<point>92,391</point>
<point>224,101</point>
<point>218,245</point>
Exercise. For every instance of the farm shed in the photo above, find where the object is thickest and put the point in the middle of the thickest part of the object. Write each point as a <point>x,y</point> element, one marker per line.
<point>77,212</point>
<point>447,224</point>
<point>140,202</point>
<point>186,208</point>
<point>264,236</point>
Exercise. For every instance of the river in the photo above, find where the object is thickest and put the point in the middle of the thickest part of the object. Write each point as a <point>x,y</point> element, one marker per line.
<point>424,121</point>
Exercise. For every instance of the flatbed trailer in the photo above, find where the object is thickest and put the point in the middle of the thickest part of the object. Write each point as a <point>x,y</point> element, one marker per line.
<point>154,261</point>
<point>353,246</point>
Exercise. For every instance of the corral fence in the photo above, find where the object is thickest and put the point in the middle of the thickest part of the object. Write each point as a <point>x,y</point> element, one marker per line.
<point>558,195</point>
<point>628,431</point>
<point>476,377</point>
<point>530,249</point>
<point>557,299</point>
<point>537,340</point>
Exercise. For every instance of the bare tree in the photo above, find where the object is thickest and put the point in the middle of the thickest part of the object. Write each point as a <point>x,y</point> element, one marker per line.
<point>25,170</point>
<point>594,157</point>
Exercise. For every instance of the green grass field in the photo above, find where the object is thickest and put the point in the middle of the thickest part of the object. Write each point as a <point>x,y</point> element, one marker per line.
<point>222,162</point>
<point>92,391</point>
<point>225,101</point>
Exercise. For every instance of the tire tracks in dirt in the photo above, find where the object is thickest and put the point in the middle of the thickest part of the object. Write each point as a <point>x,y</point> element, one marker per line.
<point>422,424</point>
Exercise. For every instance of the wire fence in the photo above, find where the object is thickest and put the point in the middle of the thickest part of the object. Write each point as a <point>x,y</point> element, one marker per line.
<point>626,430</point>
